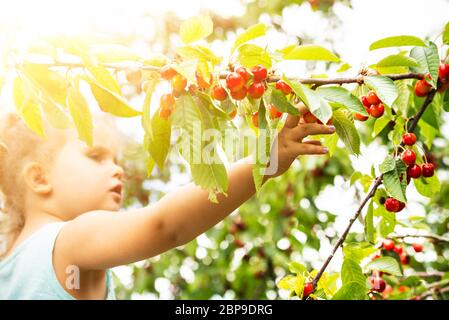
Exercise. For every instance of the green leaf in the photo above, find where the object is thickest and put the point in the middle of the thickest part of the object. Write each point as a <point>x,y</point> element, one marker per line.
<point>347,131</point>
<point>253,32</point>
<point>79,109</point>
<point>251,55</point>
<point>51,83</point>
<point>388,165</point>
<point>207,172</point>
<point>159,143</point>
<point>146,112</point>
<point>198,52</point>
<point>343,67</point>
<point>343,98</point>
<point>428,60</point>
<point>404,94</point>
<point>358,251</point>
<point>110,101</point>
<point>387,223</point>
<point>317,105</point>
<point>330,142</point>
<point>277,98</point>
<point>380,124</point>
<point>309,52</point>
<point>369,224</point>
<point>196,28</point>
<point>397,41</point>
<point>428,186</point>
<point>352,272</point>
<point>32,115</point>
<point>385,264</point>
<point>384,88</point>
<point>393,183</point>
<point>351,291</point>
<point>298,268</point>
<point>397,60</point>
<point>113,53</point>
<point>446,34</point>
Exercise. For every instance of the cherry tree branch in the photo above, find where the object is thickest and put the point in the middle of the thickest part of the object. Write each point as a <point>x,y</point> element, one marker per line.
<point>428,236</point>
<point>273,78</point>
<point>378,181</point>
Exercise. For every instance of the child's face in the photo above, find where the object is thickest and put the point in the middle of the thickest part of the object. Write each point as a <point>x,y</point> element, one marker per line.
<point>83,177</point>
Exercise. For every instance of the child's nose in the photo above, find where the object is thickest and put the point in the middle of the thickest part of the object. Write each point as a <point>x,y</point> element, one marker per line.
<point>118,172</point>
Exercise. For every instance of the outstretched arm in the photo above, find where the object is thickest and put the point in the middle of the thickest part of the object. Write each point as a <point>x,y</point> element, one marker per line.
<point>102,239</point>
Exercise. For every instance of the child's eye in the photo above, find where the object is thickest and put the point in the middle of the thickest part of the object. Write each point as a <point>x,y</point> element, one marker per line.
<point>96,156</point>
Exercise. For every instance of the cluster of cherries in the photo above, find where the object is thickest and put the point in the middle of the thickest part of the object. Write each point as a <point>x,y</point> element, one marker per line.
<point>414,171</point>
<point>377,283</point>
<point>240,83</point>
<point>243,82</point>
<point>422,87</point>
<point>373,105</point>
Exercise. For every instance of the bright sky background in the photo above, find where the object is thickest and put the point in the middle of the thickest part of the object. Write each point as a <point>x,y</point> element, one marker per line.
<point>360,26</point>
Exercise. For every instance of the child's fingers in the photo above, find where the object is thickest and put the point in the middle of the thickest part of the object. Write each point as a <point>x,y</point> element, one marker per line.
<point>307,148</point>
<point>302,108</point>
<point>291,121</point>
<point>307,129</point>
<point>315,142</point>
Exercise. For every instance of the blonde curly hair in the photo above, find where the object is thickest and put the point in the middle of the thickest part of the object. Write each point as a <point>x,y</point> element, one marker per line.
<point>20,145</point>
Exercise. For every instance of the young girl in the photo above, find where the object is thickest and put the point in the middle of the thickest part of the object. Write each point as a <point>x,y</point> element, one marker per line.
<point>60,203</point>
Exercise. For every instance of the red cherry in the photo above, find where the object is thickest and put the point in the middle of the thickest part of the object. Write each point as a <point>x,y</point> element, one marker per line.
<point>376,110</point>
<point>274,112</point>
<point>378,284</point>
<point>219,93</point>
<point>309,118</point>
<point>405,259</point>
<point>234,81</point>
<point>164,113</point>
<point>409,157</point>
<point>409,139</point>
<point>244,73</point>
<point>365,102</point>
<point>398,249</point>
<point>443,71</point>
<point>168,72</point>
<point>233,114</point>
<point>388,244</point>
<point>392,205</point>
<point>259,72</point>
<point>179,83</point>
<point>417,247</point>
<point>428,170</point>
<point>167,101</point>
<point>284,87</point>
<point>372,98</point>
<point>422,88</point>
<point>239,94</point>
<point>255,119</point>
<point>308,289</point>
<point>401,206</point>
<point>256,90</point>
<point>360,117</point>
<point>414,171</point>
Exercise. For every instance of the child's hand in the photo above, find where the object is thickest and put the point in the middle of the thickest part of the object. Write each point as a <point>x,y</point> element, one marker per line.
<point>290,142</point>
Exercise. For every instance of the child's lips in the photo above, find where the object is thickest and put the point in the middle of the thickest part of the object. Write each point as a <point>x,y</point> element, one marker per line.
<point>117,190</point>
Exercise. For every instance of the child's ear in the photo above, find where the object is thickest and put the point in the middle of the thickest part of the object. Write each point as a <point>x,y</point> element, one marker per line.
<point>36,178</point>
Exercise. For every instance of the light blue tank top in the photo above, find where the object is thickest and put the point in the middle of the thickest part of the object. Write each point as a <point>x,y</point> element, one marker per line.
<point>28,274</point>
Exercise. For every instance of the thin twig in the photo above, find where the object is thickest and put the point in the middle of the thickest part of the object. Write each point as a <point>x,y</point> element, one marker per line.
<point>428,236</point>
